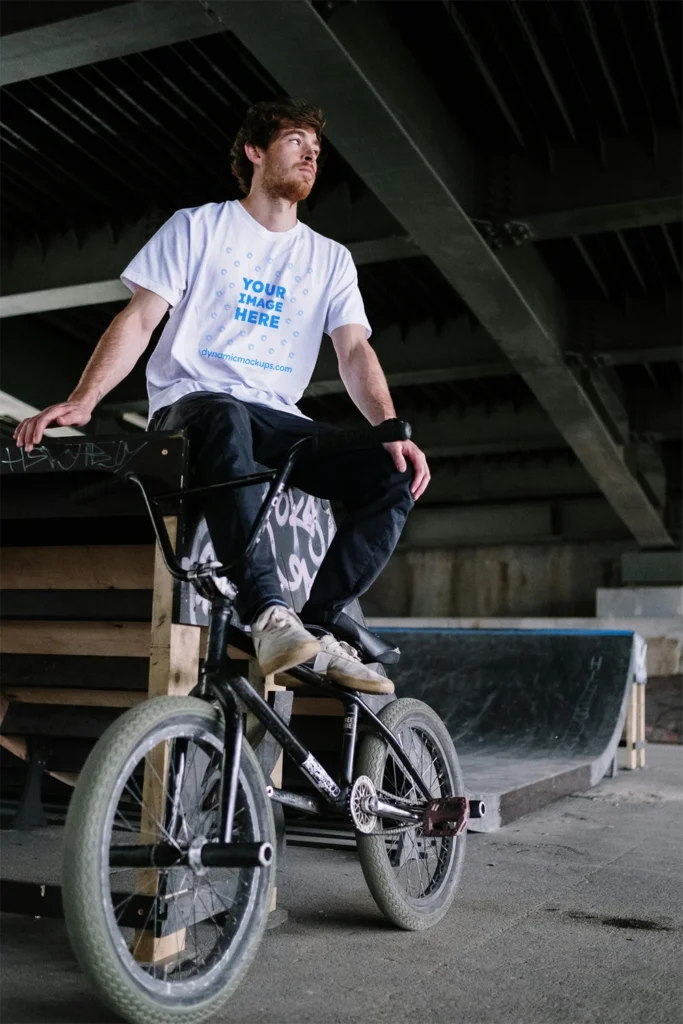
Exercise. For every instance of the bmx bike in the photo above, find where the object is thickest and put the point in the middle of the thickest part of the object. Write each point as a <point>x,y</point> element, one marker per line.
<point>169,842</point>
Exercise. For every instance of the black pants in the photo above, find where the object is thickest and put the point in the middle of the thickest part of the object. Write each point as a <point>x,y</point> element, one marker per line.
<point>229,438</point>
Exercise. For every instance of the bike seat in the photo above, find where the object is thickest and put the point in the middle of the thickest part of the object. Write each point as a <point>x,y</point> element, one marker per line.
<point>370,646</point>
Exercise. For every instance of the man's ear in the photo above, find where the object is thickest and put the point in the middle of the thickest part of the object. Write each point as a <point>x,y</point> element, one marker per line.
<point>254,153</point>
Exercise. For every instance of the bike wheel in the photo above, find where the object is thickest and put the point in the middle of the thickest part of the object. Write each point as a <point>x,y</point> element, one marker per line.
<point>177,957</point>
<point>412,877</point>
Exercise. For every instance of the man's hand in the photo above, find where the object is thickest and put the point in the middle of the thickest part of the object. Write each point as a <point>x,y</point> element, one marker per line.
<point>65,414</point>
<point>407,451</point>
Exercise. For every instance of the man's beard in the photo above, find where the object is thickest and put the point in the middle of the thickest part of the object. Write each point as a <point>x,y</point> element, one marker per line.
<point>293,189</point>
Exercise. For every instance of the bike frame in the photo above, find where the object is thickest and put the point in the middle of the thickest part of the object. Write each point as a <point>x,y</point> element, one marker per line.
<point>220,679</point>
<point>217,682</point>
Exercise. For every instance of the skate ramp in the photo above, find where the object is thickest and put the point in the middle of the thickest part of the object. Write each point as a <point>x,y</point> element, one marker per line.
<point>534,714</point>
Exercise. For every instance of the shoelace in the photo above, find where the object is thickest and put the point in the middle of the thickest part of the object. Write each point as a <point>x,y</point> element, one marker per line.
<point>341,647</point>
<point>277,619</point>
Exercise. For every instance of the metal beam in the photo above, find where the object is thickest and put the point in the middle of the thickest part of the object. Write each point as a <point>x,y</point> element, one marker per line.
<point>606,335</point>
<point>657,417</point>
<point>75,271</point>
<point>383,250</point>
<point>14,409</point>
<point>531,522</point>
<point>38,365</point>
<point>42,275</point>
<point>114,32</point>
<point>511,477</point>
<point>41,362</point>
<point>386,120</point>
<point>424,353</point>
<point>627,187</point>
<point>478,430</point>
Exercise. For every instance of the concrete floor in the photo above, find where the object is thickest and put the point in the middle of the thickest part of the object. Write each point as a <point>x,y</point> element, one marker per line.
<point>571,915</point>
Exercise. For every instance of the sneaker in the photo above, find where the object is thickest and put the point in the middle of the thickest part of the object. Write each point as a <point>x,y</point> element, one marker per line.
<point>280,641</point>
<point>341,662</point>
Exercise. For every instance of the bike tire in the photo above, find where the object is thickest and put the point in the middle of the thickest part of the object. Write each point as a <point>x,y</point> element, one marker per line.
<point>406,910</point>
<point>91,923</point>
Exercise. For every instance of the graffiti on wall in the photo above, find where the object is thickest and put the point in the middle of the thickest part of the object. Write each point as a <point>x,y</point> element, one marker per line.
<point>299,532</point>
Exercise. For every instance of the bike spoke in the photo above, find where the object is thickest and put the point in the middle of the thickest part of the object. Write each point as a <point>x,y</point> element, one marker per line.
<point>419,861</point>
<point>197,917</point>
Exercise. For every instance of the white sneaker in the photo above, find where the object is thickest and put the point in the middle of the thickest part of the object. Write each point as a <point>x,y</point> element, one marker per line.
<point>341,662</point>
<point>280,640</point>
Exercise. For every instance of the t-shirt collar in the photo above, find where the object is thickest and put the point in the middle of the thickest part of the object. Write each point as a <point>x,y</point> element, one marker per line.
<point>270,236</point>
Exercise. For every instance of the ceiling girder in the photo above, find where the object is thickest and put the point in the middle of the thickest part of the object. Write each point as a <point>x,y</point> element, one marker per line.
<point>85,271</point>
<point>114,32</point>
<point>584,193</point>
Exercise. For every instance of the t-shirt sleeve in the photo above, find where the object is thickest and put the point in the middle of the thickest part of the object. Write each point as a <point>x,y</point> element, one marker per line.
<point>161,266</point>
<point>346,302</point>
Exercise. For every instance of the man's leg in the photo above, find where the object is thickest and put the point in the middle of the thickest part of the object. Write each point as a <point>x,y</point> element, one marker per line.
<point>377,501</point>
<point>221,449</point>
<point>375,495</point>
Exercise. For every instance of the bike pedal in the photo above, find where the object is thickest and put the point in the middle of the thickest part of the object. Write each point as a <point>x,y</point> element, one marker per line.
<point>447,817</point>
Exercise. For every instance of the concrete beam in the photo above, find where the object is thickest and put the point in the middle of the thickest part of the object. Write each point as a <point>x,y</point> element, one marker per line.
<point>626,186</point>
<point>88,38</point>
<point>408,151</point>
<point>77,271</point>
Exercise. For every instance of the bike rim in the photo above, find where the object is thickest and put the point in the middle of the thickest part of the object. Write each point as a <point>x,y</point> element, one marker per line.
<point>213,912</point>
<point>421,864</point>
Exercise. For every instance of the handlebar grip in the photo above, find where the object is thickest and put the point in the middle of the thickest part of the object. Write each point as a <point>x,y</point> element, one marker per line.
<point>363,437</point>
<point>91,492</point>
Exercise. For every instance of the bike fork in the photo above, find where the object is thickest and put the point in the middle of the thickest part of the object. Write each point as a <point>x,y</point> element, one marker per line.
<point>230,774</point>
<point>215,667</point>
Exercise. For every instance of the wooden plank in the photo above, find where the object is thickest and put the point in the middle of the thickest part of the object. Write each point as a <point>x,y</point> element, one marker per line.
<point>630,730</point>
<point>87,672</point>
<point>78,605</point>
<point>106,639</point>
<point>76,698</point>
<point>173,649</point>
<point>17,745</point>
<point>173,669</point>
<point>321,706</point>
<point>640,726</point>
<point>88,567</point>
<point>87,722</point>
<point>148,949</point>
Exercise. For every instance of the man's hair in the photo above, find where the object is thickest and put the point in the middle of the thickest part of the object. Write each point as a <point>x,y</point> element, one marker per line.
<point>262,123</point>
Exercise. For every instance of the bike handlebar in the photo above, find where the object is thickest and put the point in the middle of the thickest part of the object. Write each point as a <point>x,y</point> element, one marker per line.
<point>361,437</point>
<point>335,440</point>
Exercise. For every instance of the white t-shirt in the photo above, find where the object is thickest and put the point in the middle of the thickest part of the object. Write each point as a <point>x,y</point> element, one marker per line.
<point>249,306</point>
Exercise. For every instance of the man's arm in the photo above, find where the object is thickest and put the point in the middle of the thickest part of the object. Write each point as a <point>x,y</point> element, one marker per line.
<point>117,352</point>
<point>364,379</point>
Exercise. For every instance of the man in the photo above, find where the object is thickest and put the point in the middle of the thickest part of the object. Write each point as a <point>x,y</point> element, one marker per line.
<point>251,291</point>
